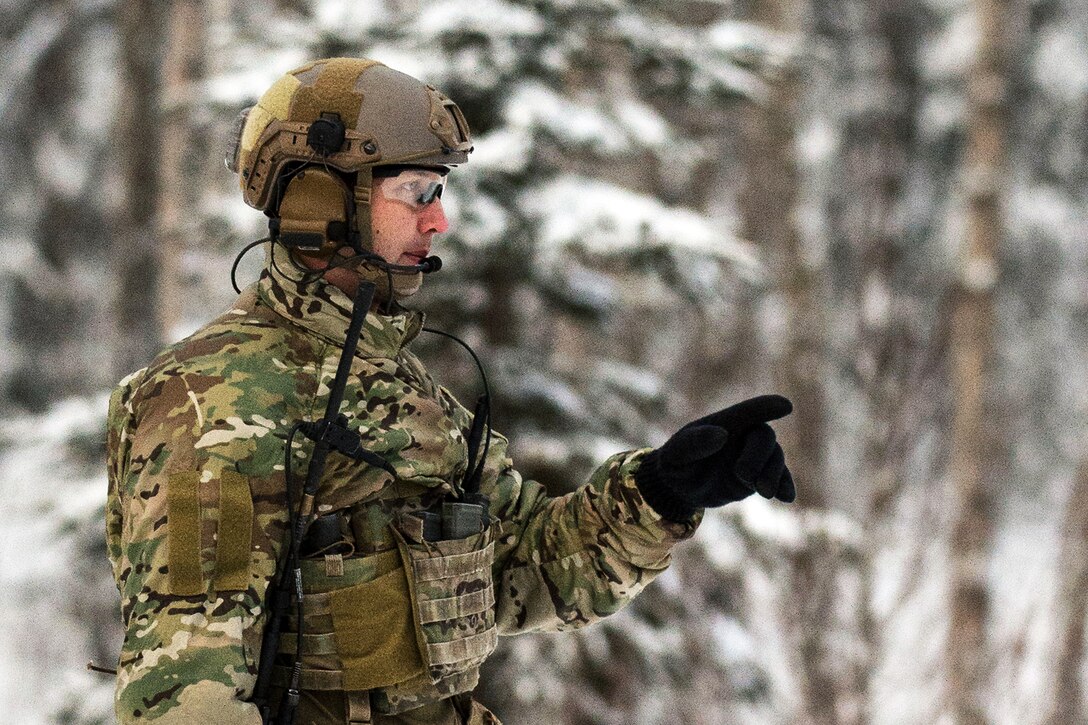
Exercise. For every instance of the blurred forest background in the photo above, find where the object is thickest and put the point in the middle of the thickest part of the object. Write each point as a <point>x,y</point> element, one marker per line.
<point>875,207</point>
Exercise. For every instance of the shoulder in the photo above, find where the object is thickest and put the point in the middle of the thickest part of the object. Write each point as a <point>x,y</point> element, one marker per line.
<point>246,362</point>
<point>246,334</point>
<point>413,369</point>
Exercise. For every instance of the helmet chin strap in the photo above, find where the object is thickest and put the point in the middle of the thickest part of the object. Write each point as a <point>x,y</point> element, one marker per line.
<point>391,281</point>
<point>363,239</point>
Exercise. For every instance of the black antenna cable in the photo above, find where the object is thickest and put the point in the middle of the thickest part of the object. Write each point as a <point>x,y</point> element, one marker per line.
<point>481,417</point>
<point>238,258</point>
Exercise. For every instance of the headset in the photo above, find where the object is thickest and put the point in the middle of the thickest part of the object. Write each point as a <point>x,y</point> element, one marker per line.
<point>313,211</point>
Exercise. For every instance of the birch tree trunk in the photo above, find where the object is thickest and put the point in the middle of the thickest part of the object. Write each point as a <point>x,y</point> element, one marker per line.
<point>874,47</point>
<point>183,68</point>
<point>1072,609</point>
<point>769,207</point>
<point>137,333</point>
<point>975,440</point>
<point>879,139</point>
<point>768,204</point>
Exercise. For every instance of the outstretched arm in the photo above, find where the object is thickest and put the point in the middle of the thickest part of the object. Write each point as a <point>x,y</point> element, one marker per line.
<point>564,562</point>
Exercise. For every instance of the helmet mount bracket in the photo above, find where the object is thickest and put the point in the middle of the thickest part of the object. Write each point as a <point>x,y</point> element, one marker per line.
<point>326,134</point>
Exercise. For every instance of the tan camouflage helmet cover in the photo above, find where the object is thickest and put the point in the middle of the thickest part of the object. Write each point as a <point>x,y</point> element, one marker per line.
<point>390,118</point>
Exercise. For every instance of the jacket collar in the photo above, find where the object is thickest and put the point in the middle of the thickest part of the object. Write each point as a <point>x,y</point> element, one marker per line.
<point>325,310</point>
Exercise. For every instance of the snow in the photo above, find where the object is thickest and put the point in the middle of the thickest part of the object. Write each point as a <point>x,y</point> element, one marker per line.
<point>818,142</point>
<point>478,220</point>
<point>47,495</point>
<point>605,219</point>
<point>19,254</point>
<point>635,381</point>
<point>504,150</point>
<point>494,18</point>
<point>97,107</point>
<point>586,288</point>
<point>564,134</point>
<point>1045,210</point>
<point>715,57</point>
<point>952,52</point>
<point>643,123</point>
<point>537,386</point>
<point>747,41</point>
<point>62,163</point>
<point>582,123</point>
<point>1060,66</point>
<point>339,14</point>
<point>243,86</point>
<point>787,529</point>
<point>942,112</point>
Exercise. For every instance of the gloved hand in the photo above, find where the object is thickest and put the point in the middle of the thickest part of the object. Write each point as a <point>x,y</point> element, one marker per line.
<point>723,457</point>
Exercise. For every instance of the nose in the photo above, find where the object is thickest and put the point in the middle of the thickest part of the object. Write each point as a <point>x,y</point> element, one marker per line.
<point>432,219</point>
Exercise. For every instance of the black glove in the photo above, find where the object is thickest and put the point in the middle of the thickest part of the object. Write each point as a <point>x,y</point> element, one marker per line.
<point>723,457</point>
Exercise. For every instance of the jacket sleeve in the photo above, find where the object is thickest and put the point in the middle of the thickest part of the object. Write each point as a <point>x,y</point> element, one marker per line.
<point>567,561</point>
<point>194,519</point>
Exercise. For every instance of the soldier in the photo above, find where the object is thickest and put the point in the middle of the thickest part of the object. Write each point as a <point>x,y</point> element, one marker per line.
<point>418,542</point>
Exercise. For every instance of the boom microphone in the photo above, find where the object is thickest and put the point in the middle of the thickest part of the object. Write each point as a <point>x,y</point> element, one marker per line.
<point>426,265</point>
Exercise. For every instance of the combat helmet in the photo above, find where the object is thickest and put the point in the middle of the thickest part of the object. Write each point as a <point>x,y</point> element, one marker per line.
<point>346,115</point>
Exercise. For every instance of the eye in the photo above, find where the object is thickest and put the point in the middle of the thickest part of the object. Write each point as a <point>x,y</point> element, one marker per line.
<point>408,189</point>
<point>416,189</point>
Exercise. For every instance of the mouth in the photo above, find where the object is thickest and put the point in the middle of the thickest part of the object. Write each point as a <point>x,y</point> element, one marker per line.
<point>417,256</point>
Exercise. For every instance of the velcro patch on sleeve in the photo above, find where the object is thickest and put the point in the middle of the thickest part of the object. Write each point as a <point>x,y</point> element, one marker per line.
<point>183,533</point>
<point>189,527</point>
<point>232,553</point>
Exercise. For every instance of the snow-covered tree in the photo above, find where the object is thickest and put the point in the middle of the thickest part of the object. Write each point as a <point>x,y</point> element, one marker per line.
<point>595,265</point>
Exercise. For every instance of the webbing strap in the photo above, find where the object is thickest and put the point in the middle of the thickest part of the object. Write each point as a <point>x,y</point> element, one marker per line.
<point>311,679</point>
<point>461,650</point>
<point>440,610</point>
<point>316,604</point>
<point>358,707</point>
<point>356,570</point>
<point>183,533</point>
<point>232,551</point>
<point>312,644</point>
<point>443,567</point>
<point>364,188</point>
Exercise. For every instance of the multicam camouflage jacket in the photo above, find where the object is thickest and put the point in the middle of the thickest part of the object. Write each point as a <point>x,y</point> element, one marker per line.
<point>197,502</point>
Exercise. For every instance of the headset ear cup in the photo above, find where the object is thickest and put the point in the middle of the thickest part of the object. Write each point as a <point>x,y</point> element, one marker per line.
<point>314,213</point>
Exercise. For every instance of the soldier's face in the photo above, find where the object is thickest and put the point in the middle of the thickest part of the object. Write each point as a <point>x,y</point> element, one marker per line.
<point>406,213</point>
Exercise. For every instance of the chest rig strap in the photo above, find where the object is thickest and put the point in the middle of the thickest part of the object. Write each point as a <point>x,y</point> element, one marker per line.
<point>328,434</point>
<point>359,708</point>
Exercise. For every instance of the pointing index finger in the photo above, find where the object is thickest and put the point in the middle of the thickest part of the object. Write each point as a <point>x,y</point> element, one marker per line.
<point>751,412</point>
